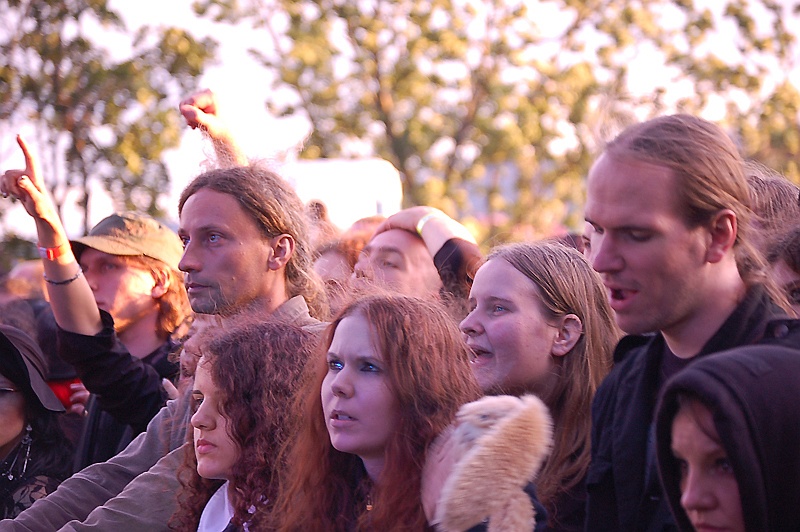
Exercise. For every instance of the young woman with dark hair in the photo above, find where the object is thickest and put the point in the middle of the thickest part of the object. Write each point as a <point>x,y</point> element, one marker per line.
<point>35,456</point>
<point>395,373</point>
<point>727,433</point>
<point>244,382</point>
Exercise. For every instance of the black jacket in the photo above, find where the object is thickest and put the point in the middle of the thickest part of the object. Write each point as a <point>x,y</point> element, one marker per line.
<point>126,391</point>
<point>752,394</point>
<point>624,493</point>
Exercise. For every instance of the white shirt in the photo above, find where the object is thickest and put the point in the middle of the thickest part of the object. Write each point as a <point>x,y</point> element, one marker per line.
<point>217,513</point>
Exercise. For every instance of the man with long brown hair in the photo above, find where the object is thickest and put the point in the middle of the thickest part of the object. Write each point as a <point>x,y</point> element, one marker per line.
<point>669,221</point>
<point>245,250</point>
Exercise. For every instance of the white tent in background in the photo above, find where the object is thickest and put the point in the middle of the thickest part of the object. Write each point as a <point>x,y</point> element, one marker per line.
<point>350,188</point>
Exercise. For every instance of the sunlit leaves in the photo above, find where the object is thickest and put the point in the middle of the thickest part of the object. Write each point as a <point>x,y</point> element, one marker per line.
<point>109,119</point>
<point>495,109</point>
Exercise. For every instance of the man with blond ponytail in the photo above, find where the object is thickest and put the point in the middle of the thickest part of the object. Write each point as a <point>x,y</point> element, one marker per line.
<point>668,227</point>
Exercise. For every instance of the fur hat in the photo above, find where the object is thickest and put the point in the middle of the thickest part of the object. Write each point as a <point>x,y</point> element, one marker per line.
<point>500,444</point>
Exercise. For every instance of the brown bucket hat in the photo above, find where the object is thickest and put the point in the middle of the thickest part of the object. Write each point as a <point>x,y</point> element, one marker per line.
<point>133,234</point>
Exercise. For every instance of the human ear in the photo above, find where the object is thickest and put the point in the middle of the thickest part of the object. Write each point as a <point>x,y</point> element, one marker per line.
<point>282,251</point>
<point>162,279</point>
<point>722,235</point>
<point>569,332</point>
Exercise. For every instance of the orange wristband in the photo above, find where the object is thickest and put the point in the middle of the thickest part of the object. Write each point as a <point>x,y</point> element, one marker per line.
<point>53,253</point>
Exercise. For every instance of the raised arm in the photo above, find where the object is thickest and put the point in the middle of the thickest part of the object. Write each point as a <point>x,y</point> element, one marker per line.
<point>71,298</point>
<point>452,247</point>
<point>201,110</point>
<point>434,226</point>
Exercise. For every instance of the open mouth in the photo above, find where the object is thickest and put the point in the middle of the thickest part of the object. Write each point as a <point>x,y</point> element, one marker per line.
<point>480,356</point>
<point>619,297</point>
<point>338,415</point>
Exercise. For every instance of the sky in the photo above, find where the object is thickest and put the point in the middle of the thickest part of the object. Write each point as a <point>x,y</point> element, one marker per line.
<point>241,85</point>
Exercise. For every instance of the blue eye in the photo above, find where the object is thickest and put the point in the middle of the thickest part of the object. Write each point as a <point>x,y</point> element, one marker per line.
<point>335,365</point>
<point>214,238</point>
<point>185,241</point>
<point>370,367</point>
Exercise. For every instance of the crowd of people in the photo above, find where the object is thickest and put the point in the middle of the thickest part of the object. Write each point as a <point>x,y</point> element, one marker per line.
<point>261,369</point>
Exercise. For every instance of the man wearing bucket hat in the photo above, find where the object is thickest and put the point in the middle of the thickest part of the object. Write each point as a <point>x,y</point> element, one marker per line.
<point>117,297</point>
<point>34,453</point>
<point>130,262</point>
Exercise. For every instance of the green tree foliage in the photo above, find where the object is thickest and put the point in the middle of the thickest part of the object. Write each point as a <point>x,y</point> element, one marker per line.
<point>496,108</point>
<point>96,116</point>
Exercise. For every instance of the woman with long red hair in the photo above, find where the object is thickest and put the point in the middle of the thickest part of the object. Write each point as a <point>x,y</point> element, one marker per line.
<point>394,373</point>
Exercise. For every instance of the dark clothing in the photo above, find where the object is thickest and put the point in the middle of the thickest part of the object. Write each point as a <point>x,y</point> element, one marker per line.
<point>17,498</point>
<point>569,510</point>
<point>541,513</point>
<point>752,394</point>
<point>126,391</point>
<point>29,474</point>
<point>457,261</point>
<point>624,493</point>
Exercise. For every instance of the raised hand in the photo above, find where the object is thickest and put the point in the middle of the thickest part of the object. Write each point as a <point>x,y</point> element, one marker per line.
<point>27,185</point>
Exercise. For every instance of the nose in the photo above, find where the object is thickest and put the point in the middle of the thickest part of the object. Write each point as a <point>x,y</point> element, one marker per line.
<point>362,267</point>
<point>341,385</point>
<point>696,494</point>
<point>200,420</point>
<point>189,261</point>
<point>90,278</point>
<point>603,254</point>
<point>471,325</point>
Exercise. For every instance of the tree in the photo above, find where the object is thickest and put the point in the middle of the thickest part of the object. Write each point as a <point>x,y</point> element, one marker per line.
<point>496,108</point>
<point>96,117</point>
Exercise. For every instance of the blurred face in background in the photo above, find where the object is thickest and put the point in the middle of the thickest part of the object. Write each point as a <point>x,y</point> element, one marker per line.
<point>399,261</point>
<point>121,289</point>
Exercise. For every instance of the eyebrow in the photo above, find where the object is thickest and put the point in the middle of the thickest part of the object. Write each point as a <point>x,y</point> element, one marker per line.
<point>626,227</point>
<point>204,228</point>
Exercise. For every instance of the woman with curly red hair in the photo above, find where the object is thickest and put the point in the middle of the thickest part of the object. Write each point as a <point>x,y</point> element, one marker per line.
<point>395,373</point>
<point>243,383</point>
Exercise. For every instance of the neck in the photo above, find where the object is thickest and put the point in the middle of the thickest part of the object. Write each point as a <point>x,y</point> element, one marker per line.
<point>263,305</point>
<point>139,337</point>
<point>374,467</point>
<point>687,337</point>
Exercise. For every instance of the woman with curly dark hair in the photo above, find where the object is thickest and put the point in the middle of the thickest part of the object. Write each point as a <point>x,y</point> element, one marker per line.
<point>395,373</point>
<point>35,456</point>
<point>243,383</point>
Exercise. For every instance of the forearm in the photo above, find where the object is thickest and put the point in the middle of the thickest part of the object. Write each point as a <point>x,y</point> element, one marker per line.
<point>126,387</point>
<point>145,504</point>
<point>70,296</point>
<point>227,151</point>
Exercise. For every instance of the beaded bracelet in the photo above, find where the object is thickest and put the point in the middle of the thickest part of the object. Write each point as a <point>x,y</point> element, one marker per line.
<point>65,281</point>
